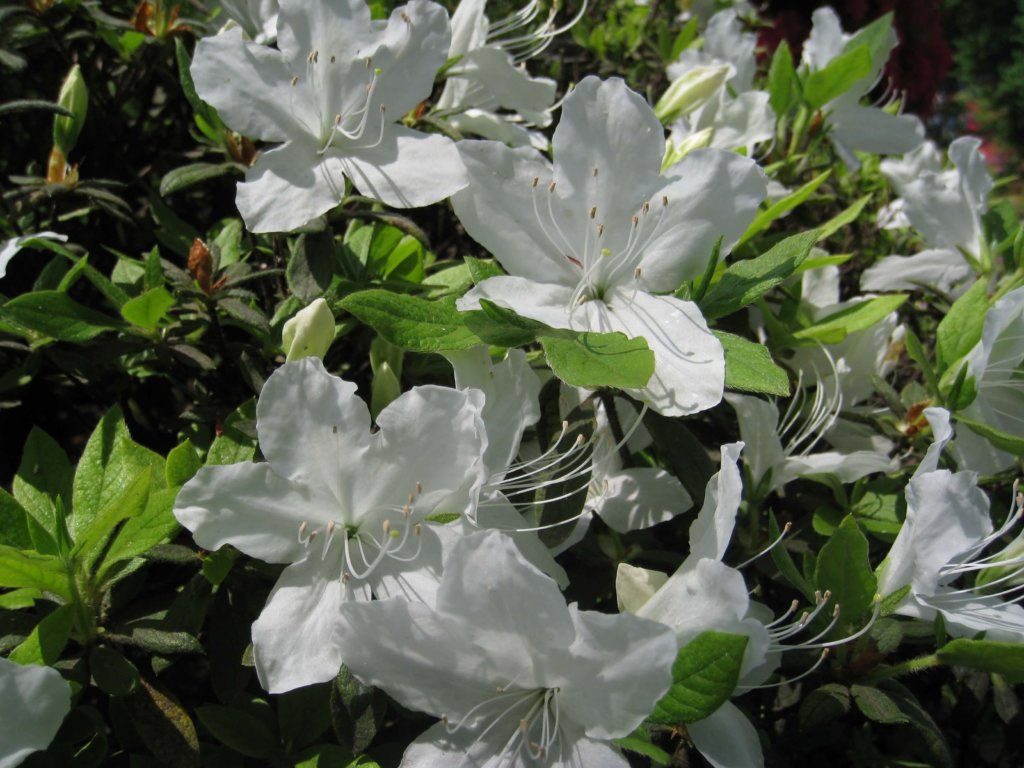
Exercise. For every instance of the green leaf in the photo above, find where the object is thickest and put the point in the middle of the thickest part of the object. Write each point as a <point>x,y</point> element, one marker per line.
<point>164,726</point>
<point>837,77</point>
<point>841,219</point>
<point>356,711</point>
<point>877,706</point>
<point>411,322</point>
<point>217,565</point>
<point>182,464</point>
<point>1004,441</point>
<point>90,541</point>
<point>237,440</point>
<point>156,641</point>
<point>147,310</point>
<point>330,756</point>
<point>500,326</point>
<point>243,732</point>
<point>54,315</point>
<point>311,265</point>
<point>844,569</point>
<point>823,705</point>
<point>155,524</point>
<point>961,327</point>
<point>746,281</point>
<point>682,453</point>
<point>595,360</point>
<point>304,714</point>
<point>112,672</point>
<point>784,561</point>
<point>195,173</point>
<point>749,366</point>
<point>858,317</point>
<point>20,568</point>
<point>893,600</point>
<point>640,743</point>
<point>764,218</point>
<point>481,269</point>
<point>110,463</point>
<point>1001,658</point>
<point>783,83</point>
<point>48,639</point>
<point>922,722</point>
<point>44,474</point>
<point>14,522</point>
<point>877,37</point>
<point>44,477</point>
<point>704,676</point>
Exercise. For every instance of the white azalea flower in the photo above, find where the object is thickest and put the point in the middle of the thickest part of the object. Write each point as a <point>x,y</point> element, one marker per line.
<point>942,541</point>
<point>945,207</point>
<point>737,116</point>
<point>518,678</point>
<point>705,594</point>
<point>332,96</point>
<point>10,248</point>
<point>996,363</point>
<point>851,125</point>
<point>342,505</point>
<point>35,701</point>
<point>488,91</point>
<point>591,241</point>
<point>900,172</point>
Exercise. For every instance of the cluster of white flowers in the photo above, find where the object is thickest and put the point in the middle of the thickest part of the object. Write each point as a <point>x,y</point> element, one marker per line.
<point>407,555</point>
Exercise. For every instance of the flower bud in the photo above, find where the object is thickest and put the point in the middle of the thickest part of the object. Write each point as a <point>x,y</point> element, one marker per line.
<point>692,90</point>
<point>676,152</point>
<point>309,333</point>
<point>74,97</point>
<point>635,586</point>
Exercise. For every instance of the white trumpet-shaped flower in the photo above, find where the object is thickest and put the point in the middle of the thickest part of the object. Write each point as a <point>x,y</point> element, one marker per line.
<point>35,701</point>
<point>945,207</point>
<point>342,505</point>
<point>332,95</point>
<point>852,125</point>
<point>940,551</point>
<point>591,241</point>
<point>519,679</point>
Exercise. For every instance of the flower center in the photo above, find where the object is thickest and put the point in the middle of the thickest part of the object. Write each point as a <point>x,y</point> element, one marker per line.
<point>535,709</point>
<point>602,261</point>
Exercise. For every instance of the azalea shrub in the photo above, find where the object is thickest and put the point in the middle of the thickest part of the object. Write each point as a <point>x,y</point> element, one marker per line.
<point>494,385</point>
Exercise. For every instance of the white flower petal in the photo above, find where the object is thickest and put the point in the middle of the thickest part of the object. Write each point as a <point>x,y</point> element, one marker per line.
<point>10,248</point>
<point>826,40</point>
<point>727,739</point>
<point>635,586</point>
<point>689,364</point>
<point>295,640</point>
<point>711,193</point>
<point>632,499</point>
<point>759,428</point>
<point>408,169</point>
<point>312,426</point>
<point>252,508</point>
<point>545,302</point>
<point>711,531</point>
<point>245,82</point>
<point>847,467</point>
<point>938,268</point>
<point>289,186</point>
<point>342,25</point>
<point>35,701</point>
<point>870,129</point>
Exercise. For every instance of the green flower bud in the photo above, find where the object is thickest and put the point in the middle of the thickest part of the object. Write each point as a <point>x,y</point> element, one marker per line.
<point>74,97</point>
<point>309,333</point>
<point>692,90</point>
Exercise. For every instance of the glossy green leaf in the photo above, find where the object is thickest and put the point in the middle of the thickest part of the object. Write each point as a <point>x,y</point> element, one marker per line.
<point>146,311</point>
<point>749,366</point>
<point>704,676</point>
<point>844,570</point>
<point>595,360</point>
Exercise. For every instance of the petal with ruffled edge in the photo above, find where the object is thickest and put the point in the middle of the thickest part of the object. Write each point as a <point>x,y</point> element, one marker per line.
<point>727,739</point>
<point>826,40</point>
<point>639,498</point>
<point>744,122</point>
<point>252,508</point>
<point>295,638</point>
<point>35,701</point>
<point>505,85</point>
<point>759,428</point>
<point>312,425</point>
<point>689,363</point>
<point>847,467</point>
<point>621,665</point>
<point>546,302</point>
<point>933,268</point>
<point>711,531</point>
<point>303,27</point>
<point>408,169</point>
<point>289,186</point>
